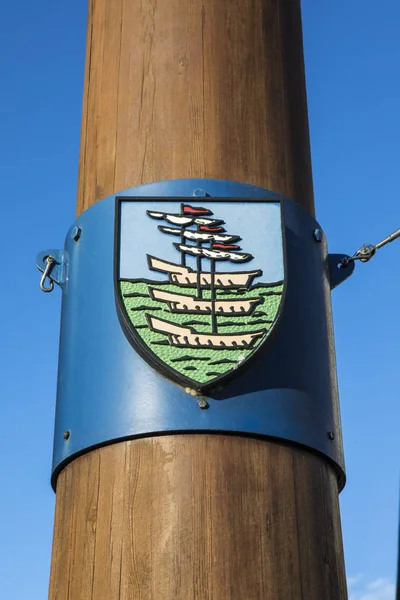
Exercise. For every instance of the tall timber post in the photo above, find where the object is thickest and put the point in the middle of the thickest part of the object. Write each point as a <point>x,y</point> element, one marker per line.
<point>169,487</point>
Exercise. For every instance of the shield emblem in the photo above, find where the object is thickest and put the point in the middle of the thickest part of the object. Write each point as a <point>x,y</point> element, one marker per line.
<point>199,285</point>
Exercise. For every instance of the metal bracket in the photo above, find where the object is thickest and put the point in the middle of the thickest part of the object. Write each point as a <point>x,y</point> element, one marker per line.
<point>107,392</point>
<point>340,268</point>
<point>60,266</point>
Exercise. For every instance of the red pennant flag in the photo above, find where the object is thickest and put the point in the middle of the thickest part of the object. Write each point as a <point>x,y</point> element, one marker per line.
<point>211,229</point>
<point>195,211</point>
<point>226,247</point>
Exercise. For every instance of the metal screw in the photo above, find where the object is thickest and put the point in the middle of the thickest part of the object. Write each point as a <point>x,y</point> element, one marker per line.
<point>318,235</point>
<point>199,193</point>
<point>76,233</point>
<point>331,435</point>
<point>66,435</point>
<point>203,403</point>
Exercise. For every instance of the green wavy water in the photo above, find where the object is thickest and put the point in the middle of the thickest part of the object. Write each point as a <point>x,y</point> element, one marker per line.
<point>200,364</point>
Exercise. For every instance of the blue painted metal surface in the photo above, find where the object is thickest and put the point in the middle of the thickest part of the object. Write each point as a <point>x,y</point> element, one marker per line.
<point>107,392</point>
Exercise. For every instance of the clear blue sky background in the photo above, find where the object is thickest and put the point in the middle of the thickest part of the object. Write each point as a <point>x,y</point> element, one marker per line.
<point>353,65</point>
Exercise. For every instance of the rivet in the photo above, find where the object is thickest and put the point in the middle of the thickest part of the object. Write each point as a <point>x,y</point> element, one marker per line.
<point>66,435</point>
<point>203,403</point>
<point>318,235</point>
<point>76,233</point>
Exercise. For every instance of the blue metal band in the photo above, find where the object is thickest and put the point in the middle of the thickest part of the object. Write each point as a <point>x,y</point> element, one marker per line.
<point>107,392</point>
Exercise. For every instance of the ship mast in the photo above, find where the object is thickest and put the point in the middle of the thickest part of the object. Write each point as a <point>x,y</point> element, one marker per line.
<point>214,328</point>
<point>218,251</point>
<point>189,215</point>
<point>200,229</point>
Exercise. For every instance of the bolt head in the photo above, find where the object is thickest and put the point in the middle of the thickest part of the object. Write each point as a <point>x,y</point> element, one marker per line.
<point>76,233</point>
<point>318,235</point>
<point>331,435</point>
<point>66,435</point>
<point>203,403</point>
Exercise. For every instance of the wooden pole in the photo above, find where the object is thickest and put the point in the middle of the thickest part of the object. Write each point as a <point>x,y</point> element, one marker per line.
<point>177,89</point>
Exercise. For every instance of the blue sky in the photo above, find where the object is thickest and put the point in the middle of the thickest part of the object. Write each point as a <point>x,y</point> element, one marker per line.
<point>352,50</point>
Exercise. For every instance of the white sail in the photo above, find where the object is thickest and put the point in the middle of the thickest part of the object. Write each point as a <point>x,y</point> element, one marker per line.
<point>210,237</point>
<point>204,237</point>
<point>209,222</point>
<point>182,220</point>
<point>174,219</point>
<point>216,254</point>
<point>173,230</point>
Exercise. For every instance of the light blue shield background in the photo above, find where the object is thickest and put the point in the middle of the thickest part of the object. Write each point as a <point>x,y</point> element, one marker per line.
<point>257,223</point>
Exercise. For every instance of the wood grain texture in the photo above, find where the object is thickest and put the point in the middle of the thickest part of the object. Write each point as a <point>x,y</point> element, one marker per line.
<point>196,88</point>
<point>204,517</point>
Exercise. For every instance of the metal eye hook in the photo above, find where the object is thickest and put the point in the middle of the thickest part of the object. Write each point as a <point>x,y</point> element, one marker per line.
<point>46,275</point>
<point>366,252</point>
